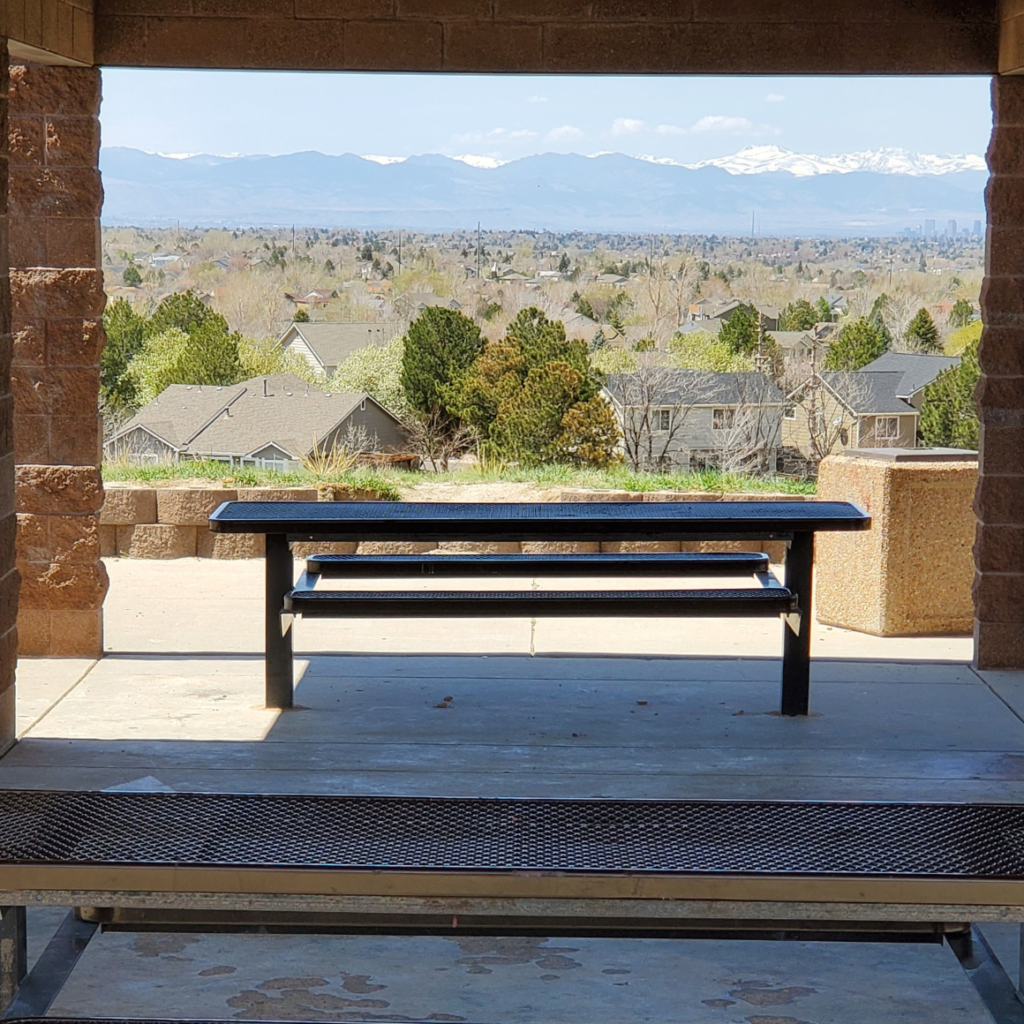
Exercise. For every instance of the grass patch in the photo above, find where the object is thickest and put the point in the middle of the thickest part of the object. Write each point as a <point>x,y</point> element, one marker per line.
<point>388,483</point>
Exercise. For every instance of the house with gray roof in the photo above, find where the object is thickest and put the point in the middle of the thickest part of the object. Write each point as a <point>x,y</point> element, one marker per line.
<point>682,418</point>
<point>325,346</point>
<point>916,370</point>
<point>834,410</point>
<point>274,422</point>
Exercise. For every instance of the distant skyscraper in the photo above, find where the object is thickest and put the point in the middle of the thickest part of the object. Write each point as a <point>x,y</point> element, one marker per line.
<point>977,229</point>
<point>951,229</point>
<point>929,229</point>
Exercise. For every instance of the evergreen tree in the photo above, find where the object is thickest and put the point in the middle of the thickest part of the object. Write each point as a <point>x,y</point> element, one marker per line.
<point>583,306</point>
<point>922,334</point>
<point>961,314</point>
<point>563,264</point>
<point>301,316</point>
<point>877,320</point>
<point>740,331</point>
<point>207,355</point>
<point>125,330</point>
<point>858,344</point>
<point>186,312</point>
<point>922,265</point>
<point>440,347</point>
<point>131,276</point>
<point>797,316</point>
<point>522,388</point>
<point>822,311</point>
<point>590,435</point>
<point>948,415</point>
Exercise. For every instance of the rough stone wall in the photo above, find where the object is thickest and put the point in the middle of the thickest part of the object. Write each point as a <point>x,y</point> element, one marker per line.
<point>999,501</point>
<point>563,36</point>
<point>54,198</point>
<point>8,574</point>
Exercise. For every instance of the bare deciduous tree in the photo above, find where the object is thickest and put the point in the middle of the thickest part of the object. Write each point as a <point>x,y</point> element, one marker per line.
<point>747,433</point>
<point>434,439</point>
<point>824,404</point>
<point>654,412</point>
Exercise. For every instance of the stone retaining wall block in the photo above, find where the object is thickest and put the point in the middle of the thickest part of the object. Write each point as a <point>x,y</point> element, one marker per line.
<point>189,506</point>
<point>128,506</point>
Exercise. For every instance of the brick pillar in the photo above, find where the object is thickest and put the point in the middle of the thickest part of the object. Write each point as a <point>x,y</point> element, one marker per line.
<point>57,298</point>
<point>999,500</point>
<point>8,575</point>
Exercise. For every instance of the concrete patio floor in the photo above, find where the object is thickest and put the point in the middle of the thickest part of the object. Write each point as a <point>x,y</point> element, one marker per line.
<point>617,708</point>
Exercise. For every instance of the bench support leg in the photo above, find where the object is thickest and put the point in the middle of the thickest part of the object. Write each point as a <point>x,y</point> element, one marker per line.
<point>280,573</point>
<point>13,953</point>
<point>796,645</point>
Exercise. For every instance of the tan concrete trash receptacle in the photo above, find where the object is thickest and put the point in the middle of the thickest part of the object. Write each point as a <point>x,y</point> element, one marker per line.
<point>911,573</point>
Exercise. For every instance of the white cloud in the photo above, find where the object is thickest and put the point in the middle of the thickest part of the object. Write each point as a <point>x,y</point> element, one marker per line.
<point>670,129</point>
<point>718,123</point>
<point>522,133</point>
<point>564,133</point>
<point>536,99</point>
<point>774,97</point>
<point>627,126</point>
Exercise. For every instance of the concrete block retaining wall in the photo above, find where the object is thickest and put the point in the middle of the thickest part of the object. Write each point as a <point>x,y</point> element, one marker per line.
<point>171,522</point>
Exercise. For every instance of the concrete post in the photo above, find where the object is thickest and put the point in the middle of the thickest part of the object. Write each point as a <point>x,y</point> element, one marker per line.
<point>13,953</point>
<point>999,500</point>
<point>8,575</point>
<point>57,295</point>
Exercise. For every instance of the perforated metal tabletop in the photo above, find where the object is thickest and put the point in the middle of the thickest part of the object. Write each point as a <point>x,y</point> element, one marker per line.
<point>625,520</point>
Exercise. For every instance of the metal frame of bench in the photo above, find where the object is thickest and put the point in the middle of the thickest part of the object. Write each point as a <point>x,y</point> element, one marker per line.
<point>792,522</point>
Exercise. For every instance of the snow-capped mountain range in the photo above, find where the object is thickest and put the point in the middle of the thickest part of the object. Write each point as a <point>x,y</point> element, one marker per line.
<point>875,193</point>
<point>764,159</point>
<point>767,159</point>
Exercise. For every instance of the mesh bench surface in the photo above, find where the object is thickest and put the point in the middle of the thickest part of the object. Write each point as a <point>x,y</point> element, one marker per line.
<point>472,565</point>
<point>383,834</point>
<point>769,601</point>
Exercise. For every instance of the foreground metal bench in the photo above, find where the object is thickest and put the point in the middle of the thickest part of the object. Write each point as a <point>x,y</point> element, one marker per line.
<point>792,522</point>
<point>566,867</point>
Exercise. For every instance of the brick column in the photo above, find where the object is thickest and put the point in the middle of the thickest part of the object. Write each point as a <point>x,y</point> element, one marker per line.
<point>999,500</point>
<point>8,575</point>
<point>57,298</point>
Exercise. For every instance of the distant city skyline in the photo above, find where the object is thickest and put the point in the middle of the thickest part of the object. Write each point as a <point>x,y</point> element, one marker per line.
<point>504,117</point>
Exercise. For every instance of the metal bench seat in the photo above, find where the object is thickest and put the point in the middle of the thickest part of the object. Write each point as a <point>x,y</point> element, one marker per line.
<point>414,865</point>
<point>190,843</point>
<point>772,600</point>
<point>471,565</point>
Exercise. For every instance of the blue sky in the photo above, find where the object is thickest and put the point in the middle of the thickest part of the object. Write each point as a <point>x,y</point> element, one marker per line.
<point>505,117</point>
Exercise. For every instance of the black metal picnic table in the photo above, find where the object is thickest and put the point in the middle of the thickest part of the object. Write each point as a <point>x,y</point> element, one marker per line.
<point>794,522</point>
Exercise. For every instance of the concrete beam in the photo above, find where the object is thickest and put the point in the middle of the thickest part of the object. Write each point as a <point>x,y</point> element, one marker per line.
<point>49,31</point>
<point>556,36</point>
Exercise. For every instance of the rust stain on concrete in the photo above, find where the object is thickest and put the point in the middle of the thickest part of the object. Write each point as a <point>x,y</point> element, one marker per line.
<point>152,945</point>
<point>486,953</point>
<point>772,1019</point>
<point>758,996</point>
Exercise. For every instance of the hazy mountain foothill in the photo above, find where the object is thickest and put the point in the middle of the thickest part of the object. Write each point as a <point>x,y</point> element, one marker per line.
<point>879,193</point>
